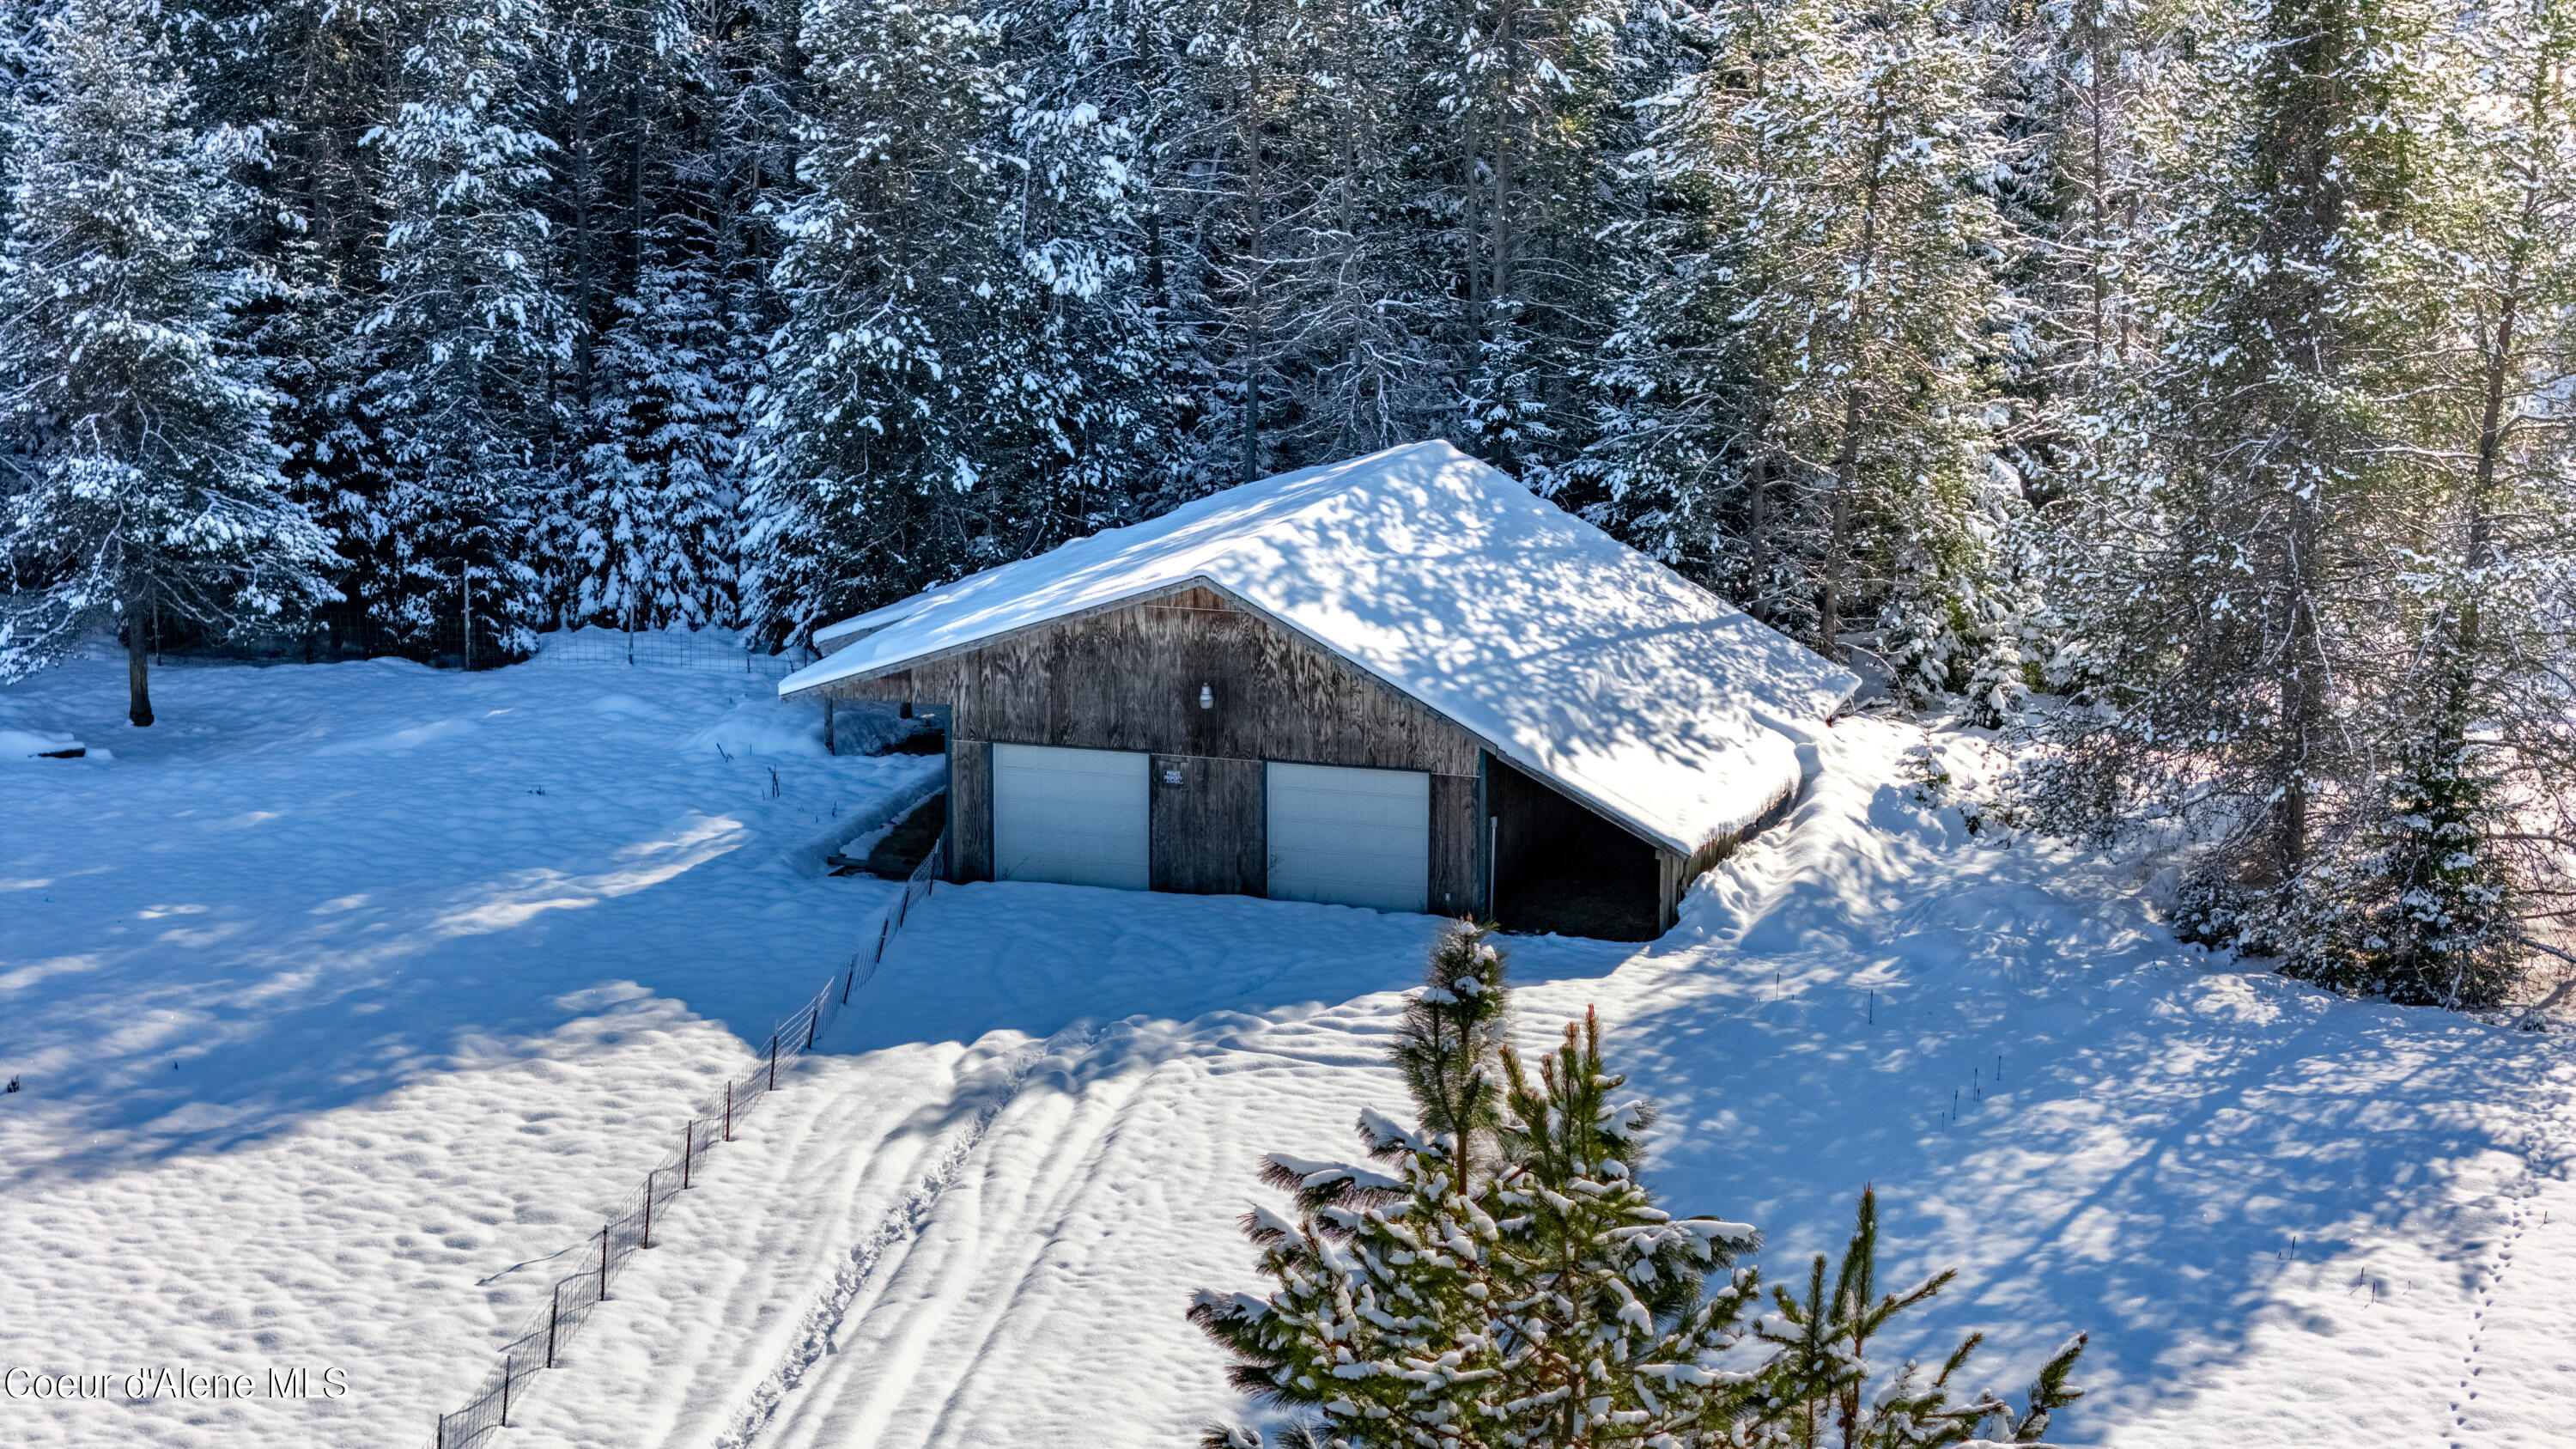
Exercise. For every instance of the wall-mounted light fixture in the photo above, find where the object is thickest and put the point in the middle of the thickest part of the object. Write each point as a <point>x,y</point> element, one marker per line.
<point>1207,696</point>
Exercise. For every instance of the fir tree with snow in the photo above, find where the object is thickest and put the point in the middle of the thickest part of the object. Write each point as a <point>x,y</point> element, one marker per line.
<point>144,484</point>
<point>1796,406</point>
<point>657,491</point>
<point>471,337</point>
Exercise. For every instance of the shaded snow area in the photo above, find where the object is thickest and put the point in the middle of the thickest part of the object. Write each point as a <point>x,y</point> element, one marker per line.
<point>428,1024</point>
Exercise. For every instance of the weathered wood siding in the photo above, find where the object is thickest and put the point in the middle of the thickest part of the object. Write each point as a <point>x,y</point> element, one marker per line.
<point>1208,827</point>
<point>1129,679</point>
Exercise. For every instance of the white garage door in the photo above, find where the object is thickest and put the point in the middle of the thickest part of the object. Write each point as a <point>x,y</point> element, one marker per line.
<point>1351,837</point>
<point>1072,816</point>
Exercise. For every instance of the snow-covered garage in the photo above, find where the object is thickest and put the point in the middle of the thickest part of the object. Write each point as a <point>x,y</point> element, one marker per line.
<point>1401,681</point>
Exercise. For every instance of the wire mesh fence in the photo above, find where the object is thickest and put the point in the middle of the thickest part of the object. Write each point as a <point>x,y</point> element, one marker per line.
<point>670,649</point>
<point>538,1339</point>
<point>454,646</point>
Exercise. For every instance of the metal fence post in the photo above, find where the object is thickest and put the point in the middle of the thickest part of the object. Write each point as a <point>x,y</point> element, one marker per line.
<point>648,1207</point>
<point>813,1023</point>
<point>554,1312</point>
<point>688,1149</point>
<point>603,1265</point>
<point>728,1109</point>
<point>507,1365</point>
<point>773,1061</point>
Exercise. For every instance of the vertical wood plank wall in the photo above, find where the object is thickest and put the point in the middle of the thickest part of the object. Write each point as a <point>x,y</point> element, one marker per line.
<point>1129,679</point>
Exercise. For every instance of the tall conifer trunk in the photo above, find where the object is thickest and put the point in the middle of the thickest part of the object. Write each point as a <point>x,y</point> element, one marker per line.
<point>138,657</point>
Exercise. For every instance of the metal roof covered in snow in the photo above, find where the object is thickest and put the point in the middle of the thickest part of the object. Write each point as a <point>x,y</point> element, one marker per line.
<point>1576,658</point>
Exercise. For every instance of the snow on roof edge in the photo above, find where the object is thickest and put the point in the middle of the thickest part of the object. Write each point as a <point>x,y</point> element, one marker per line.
<point>1697,772</point>
<point>1510,751</point>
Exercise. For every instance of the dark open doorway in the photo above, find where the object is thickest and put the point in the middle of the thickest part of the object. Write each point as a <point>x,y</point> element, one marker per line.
<point>1559,867</point>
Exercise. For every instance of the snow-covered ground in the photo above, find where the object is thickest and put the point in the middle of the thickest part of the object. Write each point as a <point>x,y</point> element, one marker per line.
<point>427,1023</point>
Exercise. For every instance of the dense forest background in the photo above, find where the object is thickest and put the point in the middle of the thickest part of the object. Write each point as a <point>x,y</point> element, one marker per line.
<point>2203,365</point>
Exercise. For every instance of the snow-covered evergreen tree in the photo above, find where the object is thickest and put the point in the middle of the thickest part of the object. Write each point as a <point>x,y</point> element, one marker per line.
<point>472,337</point>
<point>955,384</point>
<point>656,493</point>
<point>2234,551</point>
<point>2455,865</point>
<point>642,228</point>
<point>1801,401</point>
<point>143,480</point>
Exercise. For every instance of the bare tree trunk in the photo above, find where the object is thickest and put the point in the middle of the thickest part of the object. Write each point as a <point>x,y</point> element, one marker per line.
<point>2491,422</point>
<point>1757,530</point>
<point>581,250</point>
<point>1472,356</point>
<point>2303,695</point>
<point>138,657</point>
<point>636,129</point>
<point>1255,263</point>
<point>1503,133</point>
<point>1835,585</point>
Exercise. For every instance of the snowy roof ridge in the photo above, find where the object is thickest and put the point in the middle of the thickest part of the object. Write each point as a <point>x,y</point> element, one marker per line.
<point>1576,658</point>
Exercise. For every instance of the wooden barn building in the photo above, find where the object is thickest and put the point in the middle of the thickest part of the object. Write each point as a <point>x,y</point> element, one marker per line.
<point>1400,682</point>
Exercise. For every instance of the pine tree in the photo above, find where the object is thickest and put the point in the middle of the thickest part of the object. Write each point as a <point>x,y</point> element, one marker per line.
<point>1522,1288</point>
<point>1798,406</point>
<point>655,386</point>
<point>955,384</point>
<point>2304,625</point>
<point>471,340</point>
<point>2469,797</point>
<point>144,483</point>
<point>657,494</point>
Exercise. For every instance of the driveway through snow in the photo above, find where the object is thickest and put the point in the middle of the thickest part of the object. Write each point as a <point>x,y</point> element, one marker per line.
<point>429,1021</point>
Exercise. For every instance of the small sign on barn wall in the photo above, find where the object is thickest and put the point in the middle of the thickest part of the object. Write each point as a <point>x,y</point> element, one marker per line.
<point>1171,774</point>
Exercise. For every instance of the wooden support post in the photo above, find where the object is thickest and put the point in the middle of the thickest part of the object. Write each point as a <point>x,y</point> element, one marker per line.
<point>831,746</point>
<point>508,1366</point>
<point>648,1207</point>
<point>728,1110</point>
<point>554,1313</point>
<point>813,1023</point>
<point>773,1061</point>
<point>603,1265</point>
<point>688,1149</point>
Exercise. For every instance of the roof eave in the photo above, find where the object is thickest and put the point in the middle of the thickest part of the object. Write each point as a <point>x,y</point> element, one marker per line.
<point>1518,758</point>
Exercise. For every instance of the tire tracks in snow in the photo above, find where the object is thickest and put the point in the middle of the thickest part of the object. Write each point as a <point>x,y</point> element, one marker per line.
<point>899,1226</point>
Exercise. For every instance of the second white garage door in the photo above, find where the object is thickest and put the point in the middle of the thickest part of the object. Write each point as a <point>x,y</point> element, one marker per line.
<point>1072,816</point>
<point>1350,837</point>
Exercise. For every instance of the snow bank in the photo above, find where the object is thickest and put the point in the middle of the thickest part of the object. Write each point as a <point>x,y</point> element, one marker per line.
<point>38,744</point>
<point>769,727</point>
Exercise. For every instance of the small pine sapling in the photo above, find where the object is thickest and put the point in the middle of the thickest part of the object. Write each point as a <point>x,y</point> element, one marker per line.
<point>1500,1276</point>
<point>1452,1030</point>
<point>1821,1373</point>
